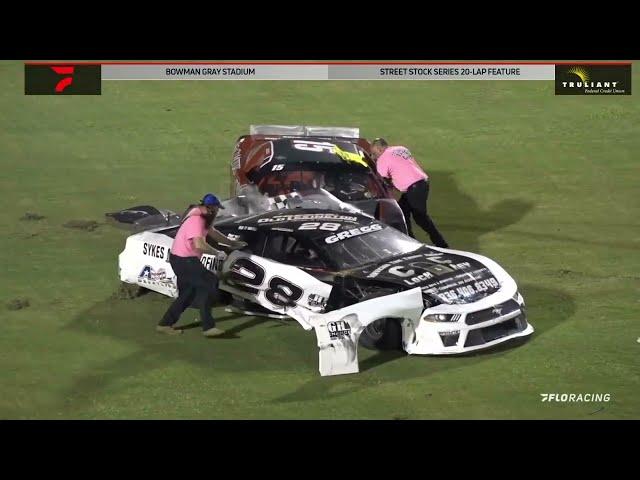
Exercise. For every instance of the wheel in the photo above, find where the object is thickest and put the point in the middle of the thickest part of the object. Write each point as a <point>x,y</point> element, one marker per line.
<point>383,334</point>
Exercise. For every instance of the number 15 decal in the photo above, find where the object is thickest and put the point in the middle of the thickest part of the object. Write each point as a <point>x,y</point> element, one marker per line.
<point>246,275</point>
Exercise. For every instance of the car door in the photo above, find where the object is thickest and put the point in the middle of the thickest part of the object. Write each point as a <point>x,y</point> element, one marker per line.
<point>276,285</point>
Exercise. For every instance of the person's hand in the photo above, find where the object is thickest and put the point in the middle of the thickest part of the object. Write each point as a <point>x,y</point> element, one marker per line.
<point>239,244</point>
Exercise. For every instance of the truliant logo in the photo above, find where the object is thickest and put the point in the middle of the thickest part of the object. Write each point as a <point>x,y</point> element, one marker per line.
<point>62,79</point>
<point>593,79</point>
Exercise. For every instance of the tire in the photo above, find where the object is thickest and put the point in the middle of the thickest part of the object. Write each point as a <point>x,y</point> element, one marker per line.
<point>383,334</point>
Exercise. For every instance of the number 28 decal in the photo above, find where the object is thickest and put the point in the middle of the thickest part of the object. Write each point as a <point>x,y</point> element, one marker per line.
<point>329,226</point>
<point>246,275</point>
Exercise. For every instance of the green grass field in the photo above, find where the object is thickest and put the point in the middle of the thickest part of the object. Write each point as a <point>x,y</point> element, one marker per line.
<point>546,185</point>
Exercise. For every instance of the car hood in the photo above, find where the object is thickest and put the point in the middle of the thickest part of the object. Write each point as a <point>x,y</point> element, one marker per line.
<point>443,277</point>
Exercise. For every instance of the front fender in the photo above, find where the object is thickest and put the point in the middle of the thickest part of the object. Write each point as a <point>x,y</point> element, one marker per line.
<point>338,332</point>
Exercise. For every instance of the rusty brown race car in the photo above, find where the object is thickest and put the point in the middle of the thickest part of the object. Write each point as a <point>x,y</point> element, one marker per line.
<point>281,159</point>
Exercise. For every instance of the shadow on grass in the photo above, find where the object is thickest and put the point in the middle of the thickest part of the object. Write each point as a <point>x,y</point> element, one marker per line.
<point>446,196</point>
<point>134,321</point>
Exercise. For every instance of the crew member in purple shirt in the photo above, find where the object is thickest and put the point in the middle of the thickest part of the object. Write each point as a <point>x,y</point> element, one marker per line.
<point>397,163</point>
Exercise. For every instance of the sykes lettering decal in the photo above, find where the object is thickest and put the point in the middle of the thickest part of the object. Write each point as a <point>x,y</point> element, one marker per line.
<point>152,250</point>
<point>354,232</point>
<point>339,330</point>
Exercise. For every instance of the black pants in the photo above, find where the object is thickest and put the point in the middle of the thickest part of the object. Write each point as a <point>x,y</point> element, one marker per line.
<point>196,286</point>
<point>414,202</point>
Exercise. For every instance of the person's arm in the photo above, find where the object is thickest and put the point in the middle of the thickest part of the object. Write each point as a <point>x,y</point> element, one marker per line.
<point>382,168</point>
<point>219,237</point>
<point>200,244</point>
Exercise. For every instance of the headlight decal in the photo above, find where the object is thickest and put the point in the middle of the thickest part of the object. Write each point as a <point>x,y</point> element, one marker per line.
<point>442,317</point>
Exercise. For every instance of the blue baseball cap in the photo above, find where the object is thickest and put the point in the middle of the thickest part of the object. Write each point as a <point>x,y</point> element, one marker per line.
<point>211,200</point>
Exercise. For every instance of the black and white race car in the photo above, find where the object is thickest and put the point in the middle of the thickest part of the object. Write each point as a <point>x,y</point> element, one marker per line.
<point>351,278</point>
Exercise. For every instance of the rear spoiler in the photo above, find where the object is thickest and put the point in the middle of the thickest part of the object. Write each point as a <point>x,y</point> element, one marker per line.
<point>304,131</point>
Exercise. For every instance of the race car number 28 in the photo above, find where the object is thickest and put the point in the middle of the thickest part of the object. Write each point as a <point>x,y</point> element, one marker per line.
<point>246,275</point>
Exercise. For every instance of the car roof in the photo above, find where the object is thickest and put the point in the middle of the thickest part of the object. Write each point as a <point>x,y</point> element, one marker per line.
<point>300,151</point>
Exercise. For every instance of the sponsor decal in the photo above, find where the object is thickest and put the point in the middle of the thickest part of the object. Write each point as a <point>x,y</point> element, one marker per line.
<point>354,232</point>
<point>378,270</point>
<point>247,227</point>
<point>211,262</point>
<point>457,289</point>
<point>158,277</point>
<point>151,250</point>
<point>235,164</point>
<point>309,216</point>
<point>593,79</point>
<point>152,274</point>
<point>339,330</point>
<point>440,276</point>
<point>316,300</point>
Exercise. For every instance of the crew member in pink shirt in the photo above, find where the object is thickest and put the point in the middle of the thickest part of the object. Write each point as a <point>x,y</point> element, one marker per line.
<point>397,163</point>
<point>196,284</point>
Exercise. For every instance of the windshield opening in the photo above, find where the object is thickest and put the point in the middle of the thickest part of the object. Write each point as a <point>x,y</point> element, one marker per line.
<point>346,184</point>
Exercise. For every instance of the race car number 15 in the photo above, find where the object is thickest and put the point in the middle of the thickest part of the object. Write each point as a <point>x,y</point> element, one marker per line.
<point>246,275</point>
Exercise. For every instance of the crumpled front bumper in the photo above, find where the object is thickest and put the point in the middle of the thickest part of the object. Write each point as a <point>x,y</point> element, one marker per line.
<point>476,327</point>
<point>494,319</point>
